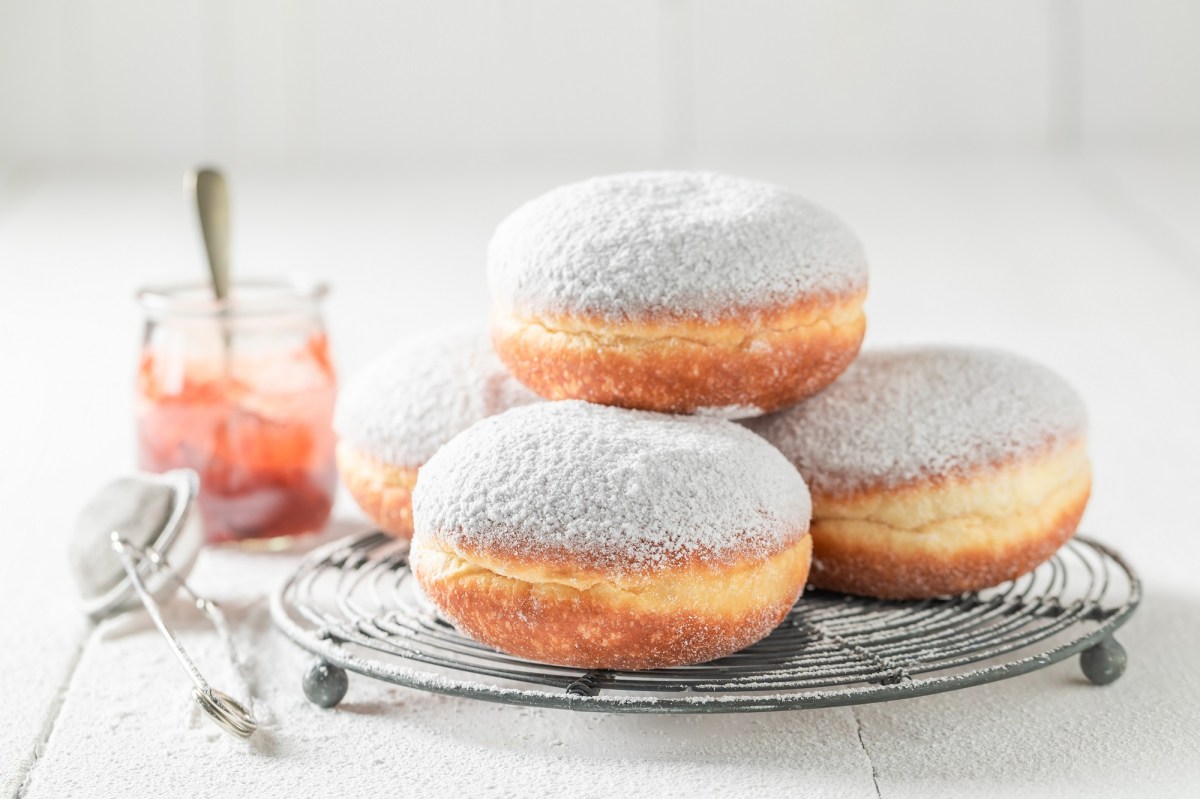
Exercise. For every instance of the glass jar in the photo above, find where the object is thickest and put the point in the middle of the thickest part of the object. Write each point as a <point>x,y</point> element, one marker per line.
<point>242,391</point>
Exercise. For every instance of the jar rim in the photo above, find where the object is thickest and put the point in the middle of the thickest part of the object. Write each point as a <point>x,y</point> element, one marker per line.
<point>249,297</point>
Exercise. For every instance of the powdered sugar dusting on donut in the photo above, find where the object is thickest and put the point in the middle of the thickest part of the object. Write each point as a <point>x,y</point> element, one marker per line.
<point>625,490</point>
<point>901,416</point>
<point>729,411</point>
<point>422,393</point>
<point>690,244</point>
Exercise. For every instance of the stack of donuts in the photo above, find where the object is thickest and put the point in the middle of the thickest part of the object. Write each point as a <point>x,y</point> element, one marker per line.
<point>669,431</point>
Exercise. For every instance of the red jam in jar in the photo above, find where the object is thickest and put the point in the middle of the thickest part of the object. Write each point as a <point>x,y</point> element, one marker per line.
<point>242,391</point>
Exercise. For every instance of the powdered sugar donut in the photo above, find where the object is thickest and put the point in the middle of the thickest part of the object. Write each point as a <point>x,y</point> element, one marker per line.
<point>600,537</point>
<point>937,470</point>
<point>394,414</point>
<point>677,292</point>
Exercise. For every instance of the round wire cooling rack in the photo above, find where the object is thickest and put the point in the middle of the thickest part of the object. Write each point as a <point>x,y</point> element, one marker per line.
<point>355,605</point>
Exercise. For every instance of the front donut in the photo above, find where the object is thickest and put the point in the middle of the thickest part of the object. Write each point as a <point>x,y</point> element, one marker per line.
<point>680,292</point>
<point>603,538</point>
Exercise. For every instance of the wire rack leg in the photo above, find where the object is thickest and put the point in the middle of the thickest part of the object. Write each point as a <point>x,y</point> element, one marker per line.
<point>1104,662</point>
<point>325,684</point>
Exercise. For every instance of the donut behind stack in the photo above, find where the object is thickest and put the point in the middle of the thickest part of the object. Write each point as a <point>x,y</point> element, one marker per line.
<point>680,292</point>
<point>603,538</point>
<point>395,413</point>
<point>937,471</point>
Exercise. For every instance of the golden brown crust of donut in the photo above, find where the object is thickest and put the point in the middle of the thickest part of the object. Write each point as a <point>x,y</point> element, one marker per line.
<point>383,491</point>
<point>950,536</point>
<point>767,360</point>
<point>677,617</point>
<point>536,562</point>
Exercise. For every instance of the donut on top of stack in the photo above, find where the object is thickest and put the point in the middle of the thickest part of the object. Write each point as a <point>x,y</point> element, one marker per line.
<point>394,414</point>
<point>681,292</point>
<point>605,538</point>
<point>936,470</point>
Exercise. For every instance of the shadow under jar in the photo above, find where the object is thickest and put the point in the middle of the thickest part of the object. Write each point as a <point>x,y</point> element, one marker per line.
<point>241,390</point>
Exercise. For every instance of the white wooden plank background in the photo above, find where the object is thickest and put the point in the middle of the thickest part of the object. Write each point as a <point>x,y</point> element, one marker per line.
<point>481,82</point>
<point>866,75</point>
<point>1088,264</point>
<point>1141,73</point>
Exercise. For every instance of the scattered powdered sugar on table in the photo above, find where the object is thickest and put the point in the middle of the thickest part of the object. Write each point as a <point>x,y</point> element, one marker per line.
<point>695,244</point>
<point>905,415</point>
<point>626,489</point>
<point>422,393</point>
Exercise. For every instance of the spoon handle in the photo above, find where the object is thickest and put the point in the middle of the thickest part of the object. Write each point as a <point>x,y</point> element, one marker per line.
<point>212,205</point>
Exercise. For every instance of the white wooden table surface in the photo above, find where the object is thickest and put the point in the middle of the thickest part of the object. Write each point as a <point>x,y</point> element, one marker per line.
<point>1090,265</point>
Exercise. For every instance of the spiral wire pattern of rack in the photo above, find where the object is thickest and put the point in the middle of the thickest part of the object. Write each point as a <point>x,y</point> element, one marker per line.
<point>355,605</point>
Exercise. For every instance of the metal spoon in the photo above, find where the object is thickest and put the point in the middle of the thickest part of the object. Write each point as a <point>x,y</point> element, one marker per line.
<point>212,205</point>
